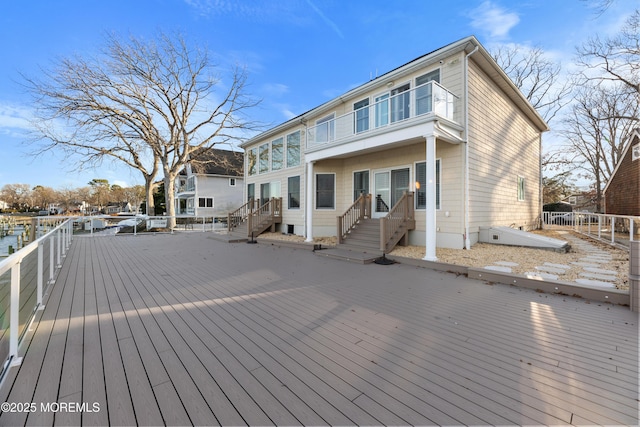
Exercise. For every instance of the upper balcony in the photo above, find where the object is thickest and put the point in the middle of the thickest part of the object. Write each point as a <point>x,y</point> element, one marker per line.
<point>389,112</point>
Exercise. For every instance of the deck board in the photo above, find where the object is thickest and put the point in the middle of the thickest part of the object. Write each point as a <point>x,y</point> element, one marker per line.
<point>184,329</point>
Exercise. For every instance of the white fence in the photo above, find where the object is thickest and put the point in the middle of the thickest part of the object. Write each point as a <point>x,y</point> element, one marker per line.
<point>112,225</point>
<point>614,229</point>
<point>24,277</point>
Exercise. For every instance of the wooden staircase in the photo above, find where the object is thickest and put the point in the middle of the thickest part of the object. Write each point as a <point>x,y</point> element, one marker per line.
<point>358,232</point>
<point>363,237</point>
<point>252,219</point>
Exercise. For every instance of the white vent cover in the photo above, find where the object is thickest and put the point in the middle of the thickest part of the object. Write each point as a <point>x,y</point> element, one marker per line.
<point>635,152</point>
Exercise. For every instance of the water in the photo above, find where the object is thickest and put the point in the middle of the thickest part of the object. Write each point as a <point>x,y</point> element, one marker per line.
<point>10,240</point>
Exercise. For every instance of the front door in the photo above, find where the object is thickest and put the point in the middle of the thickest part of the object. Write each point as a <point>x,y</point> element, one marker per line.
<point>388,188</point>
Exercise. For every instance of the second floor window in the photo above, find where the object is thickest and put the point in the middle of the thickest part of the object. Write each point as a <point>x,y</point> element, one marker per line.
<point>293,149</point>
<point>277,154</point>
<point>264,158</point>
<point>325,129</point>
<point>361,116</point>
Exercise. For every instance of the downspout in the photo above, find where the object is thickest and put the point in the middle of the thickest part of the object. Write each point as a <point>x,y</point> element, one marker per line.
<point>467,240</point>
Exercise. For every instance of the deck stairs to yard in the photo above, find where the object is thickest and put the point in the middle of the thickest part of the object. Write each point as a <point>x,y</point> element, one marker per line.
<point>363,237</point>
<point>252,219</point>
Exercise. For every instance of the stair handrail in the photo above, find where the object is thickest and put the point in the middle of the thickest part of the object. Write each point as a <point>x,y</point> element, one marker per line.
<point>359,210</point>
<point>400,215</point>
<point>240,215</point>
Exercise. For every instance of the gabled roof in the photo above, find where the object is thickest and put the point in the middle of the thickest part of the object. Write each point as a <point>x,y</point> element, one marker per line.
<point>634,139</point>
<point>484,60</point>
<point>212,161</point>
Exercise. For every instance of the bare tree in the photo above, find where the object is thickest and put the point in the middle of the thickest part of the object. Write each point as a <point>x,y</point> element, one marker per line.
<point>16,195</point>
<point>597,128</point>
<point>148,104</point>
<point>615,59</point>
<point>538,77</point>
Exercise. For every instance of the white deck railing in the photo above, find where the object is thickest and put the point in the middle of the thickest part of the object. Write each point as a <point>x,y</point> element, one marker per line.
<point>428,99</point>
<point>21,294</point>
<point>613,229</point>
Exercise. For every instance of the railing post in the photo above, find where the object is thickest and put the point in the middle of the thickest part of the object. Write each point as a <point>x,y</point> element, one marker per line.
<point>14,315</point>
<point>52,242</point>
<point>383,233</point>
<point>613,230</point>
<point>40,273</point>
<point>63,238</point>
<point>634,276</point>
<point>59,252</point>
<point>631,230</point>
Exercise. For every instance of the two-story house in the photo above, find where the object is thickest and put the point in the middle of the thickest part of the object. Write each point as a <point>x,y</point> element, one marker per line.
<point>431,150</point>
<point>211,184</point>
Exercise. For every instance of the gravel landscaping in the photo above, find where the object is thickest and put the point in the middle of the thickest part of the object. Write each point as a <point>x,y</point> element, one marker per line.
<point>526,259</point>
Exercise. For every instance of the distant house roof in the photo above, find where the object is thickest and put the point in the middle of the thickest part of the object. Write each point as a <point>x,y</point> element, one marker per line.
<point>212,161</point>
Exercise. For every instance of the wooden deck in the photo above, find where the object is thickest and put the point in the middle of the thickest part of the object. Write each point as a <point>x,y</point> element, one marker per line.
<point>184,329</point>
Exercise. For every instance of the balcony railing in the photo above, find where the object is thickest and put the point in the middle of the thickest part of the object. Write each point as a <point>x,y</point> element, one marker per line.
<point>24,278</point>
<point>428,99</point>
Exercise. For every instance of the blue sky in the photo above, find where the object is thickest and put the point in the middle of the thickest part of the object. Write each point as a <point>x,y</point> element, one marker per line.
<point>298,53</point>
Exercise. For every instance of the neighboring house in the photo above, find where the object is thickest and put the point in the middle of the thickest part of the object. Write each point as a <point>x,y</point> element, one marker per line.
<point>211,184</point>
<point>622,192</point>
<point>55,209</point>
<point>449,126</point>
<point>584,201</point>
<point>3,205</point>
<point>117,208</point>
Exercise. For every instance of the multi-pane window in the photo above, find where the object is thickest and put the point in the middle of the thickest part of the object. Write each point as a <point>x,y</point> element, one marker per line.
<point>325,191</point>
<point>205,202</point>
<point>232,182</point>
<point>293,186</point>
<point>325,129</point>
<point>277,154</point>
<point>424,92</point>
<point>361,116</point>
<point>521,188</point>
<point>264,158</point>
<point>252,156</point>
<point>191,183</point>
<point>421,185</point>
<point>360,183</point>
<point>382,110</point>
<point>400,102</point>
<point>293,149</point>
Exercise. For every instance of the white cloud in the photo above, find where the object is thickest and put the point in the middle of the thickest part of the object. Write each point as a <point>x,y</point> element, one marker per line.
<point>13,118</point>
<point>493,20</point>
<point>275,89</point>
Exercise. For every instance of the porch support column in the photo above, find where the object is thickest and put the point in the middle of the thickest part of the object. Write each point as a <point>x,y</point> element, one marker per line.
<point>309,202</point>
<point>430,227</point>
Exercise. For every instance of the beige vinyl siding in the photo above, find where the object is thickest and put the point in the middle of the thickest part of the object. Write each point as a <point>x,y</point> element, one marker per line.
<point>400,157</point>
<point>503,144</point>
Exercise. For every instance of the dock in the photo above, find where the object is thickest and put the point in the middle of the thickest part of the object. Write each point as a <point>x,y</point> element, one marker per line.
<point>184,329</point>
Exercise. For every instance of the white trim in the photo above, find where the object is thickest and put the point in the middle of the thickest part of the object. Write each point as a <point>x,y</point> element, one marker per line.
<point>309,202</point>
<point>430,209</point>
